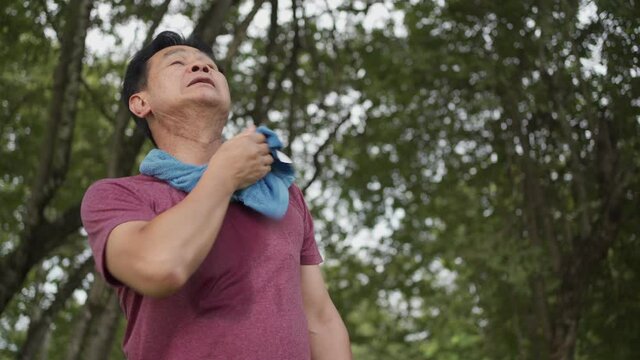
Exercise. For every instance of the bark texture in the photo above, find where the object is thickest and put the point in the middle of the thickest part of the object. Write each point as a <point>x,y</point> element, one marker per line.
<point>41,235</point>
<point>40,327</point>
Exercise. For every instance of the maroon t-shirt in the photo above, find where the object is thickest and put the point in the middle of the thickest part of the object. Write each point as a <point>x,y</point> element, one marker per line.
<point>243,302</point>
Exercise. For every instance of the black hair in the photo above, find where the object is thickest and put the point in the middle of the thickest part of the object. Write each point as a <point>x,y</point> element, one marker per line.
<point>135,78</point>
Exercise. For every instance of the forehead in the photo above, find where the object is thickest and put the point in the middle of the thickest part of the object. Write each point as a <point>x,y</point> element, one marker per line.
<point>176,50</point>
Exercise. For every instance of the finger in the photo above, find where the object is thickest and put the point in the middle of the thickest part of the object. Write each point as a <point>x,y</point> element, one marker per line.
<point>260,138</point>
<point>264,149</point>
<point>250,129</point>
<point>268,159</point>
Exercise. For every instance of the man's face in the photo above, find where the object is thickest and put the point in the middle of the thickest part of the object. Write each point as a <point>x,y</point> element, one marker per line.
<point>181,76</point>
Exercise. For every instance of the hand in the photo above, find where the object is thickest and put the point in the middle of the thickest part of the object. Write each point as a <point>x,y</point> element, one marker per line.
<point>244,159</point>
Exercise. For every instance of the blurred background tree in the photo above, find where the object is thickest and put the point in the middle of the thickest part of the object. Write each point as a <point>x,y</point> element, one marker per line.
<point>472,165</point>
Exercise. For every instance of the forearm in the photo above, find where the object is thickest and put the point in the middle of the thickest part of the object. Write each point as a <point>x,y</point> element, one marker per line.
<point>182,236</point>
<point>329,339</point>
<point>158,257</point>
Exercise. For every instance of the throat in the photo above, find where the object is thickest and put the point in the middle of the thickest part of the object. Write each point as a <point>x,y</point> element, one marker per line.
<point>193,142</point>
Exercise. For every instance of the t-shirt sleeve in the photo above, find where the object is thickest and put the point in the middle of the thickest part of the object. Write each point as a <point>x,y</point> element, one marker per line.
<point>107,204</point>
<point>309,254</point>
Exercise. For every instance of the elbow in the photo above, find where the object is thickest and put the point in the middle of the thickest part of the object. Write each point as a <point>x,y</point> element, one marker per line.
<point>154,271</point>
<point>322,319</point>
<point>161,281</point>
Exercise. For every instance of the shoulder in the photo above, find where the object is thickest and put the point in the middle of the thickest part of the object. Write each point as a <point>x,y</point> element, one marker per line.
<point>128,182</point>
<point>110,186</point>
<point>117,190</point>
<point>295,195</point>
<point>296,199</point>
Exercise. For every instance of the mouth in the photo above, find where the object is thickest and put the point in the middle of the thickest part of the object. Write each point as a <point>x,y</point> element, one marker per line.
<point>201,80</point>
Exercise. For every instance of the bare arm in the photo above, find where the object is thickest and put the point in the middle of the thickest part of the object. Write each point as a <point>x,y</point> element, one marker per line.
<point>327,333</point>
<point>157,257</point>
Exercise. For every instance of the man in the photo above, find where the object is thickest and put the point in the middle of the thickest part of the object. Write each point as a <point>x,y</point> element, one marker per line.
<point>200,276</point>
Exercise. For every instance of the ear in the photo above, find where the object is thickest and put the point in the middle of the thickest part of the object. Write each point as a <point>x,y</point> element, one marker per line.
<point>139,105</point>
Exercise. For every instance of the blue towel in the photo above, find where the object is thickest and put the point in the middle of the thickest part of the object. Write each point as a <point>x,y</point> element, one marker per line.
<point>269,195</point>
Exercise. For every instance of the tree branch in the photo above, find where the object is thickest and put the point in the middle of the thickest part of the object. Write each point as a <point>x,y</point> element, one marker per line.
<point>293,65</point>
<point>259,111</point>
<point>95,98</point>
<point>325,144</point>
<point>209,25</point>
<point>240,34</point>
<point>160,12</point>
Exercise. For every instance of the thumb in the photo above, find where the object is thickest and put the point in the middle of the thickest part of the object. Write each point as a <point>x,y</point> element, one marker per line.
<point>249,129</point>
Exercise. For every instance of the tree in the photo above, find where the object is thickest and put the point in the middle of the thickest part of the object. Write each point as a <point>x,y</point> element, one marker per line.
<point>472,166</point>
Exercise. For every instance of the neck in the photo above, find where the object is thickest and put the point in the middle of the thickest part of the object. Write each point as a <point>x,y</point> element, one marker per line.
<point>190,138</point>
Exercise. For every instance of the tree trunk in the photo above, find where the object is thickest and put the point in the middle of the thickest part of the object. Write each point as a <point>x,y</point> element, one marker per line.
<point>96,301</point>
<point>101,334</point>
<point>44,349</point>
<point>78,329</point>
<point>54,155</point>
<point>40,327</point>
<point>589,252</point>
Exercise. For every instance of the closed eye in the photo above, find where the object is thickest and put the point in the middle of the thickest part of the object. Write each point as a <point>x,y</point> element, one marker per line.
<point>177,63</point>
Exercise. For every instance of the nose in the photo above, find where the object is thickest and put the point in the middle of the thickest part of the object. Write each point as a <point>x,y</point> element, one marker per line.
<point>199,67</point>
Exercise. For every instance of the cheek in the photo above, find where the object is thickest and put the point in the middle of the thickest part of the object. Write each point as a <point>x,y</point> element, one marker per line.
<point>220,78</point>
<point>166,88</point>
<point>225,84</point>
<point>170,82</point>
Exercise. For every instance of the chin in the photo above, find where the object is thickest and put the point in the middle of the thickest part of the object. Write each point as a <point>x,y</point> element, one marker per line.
<point>209,99</point>
<point>216,105</point>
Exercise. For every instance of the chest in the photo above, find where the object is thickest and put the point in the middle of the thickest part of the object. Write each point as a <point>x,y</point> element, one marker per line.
<point>248,240</point>
<point>252,254</point>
